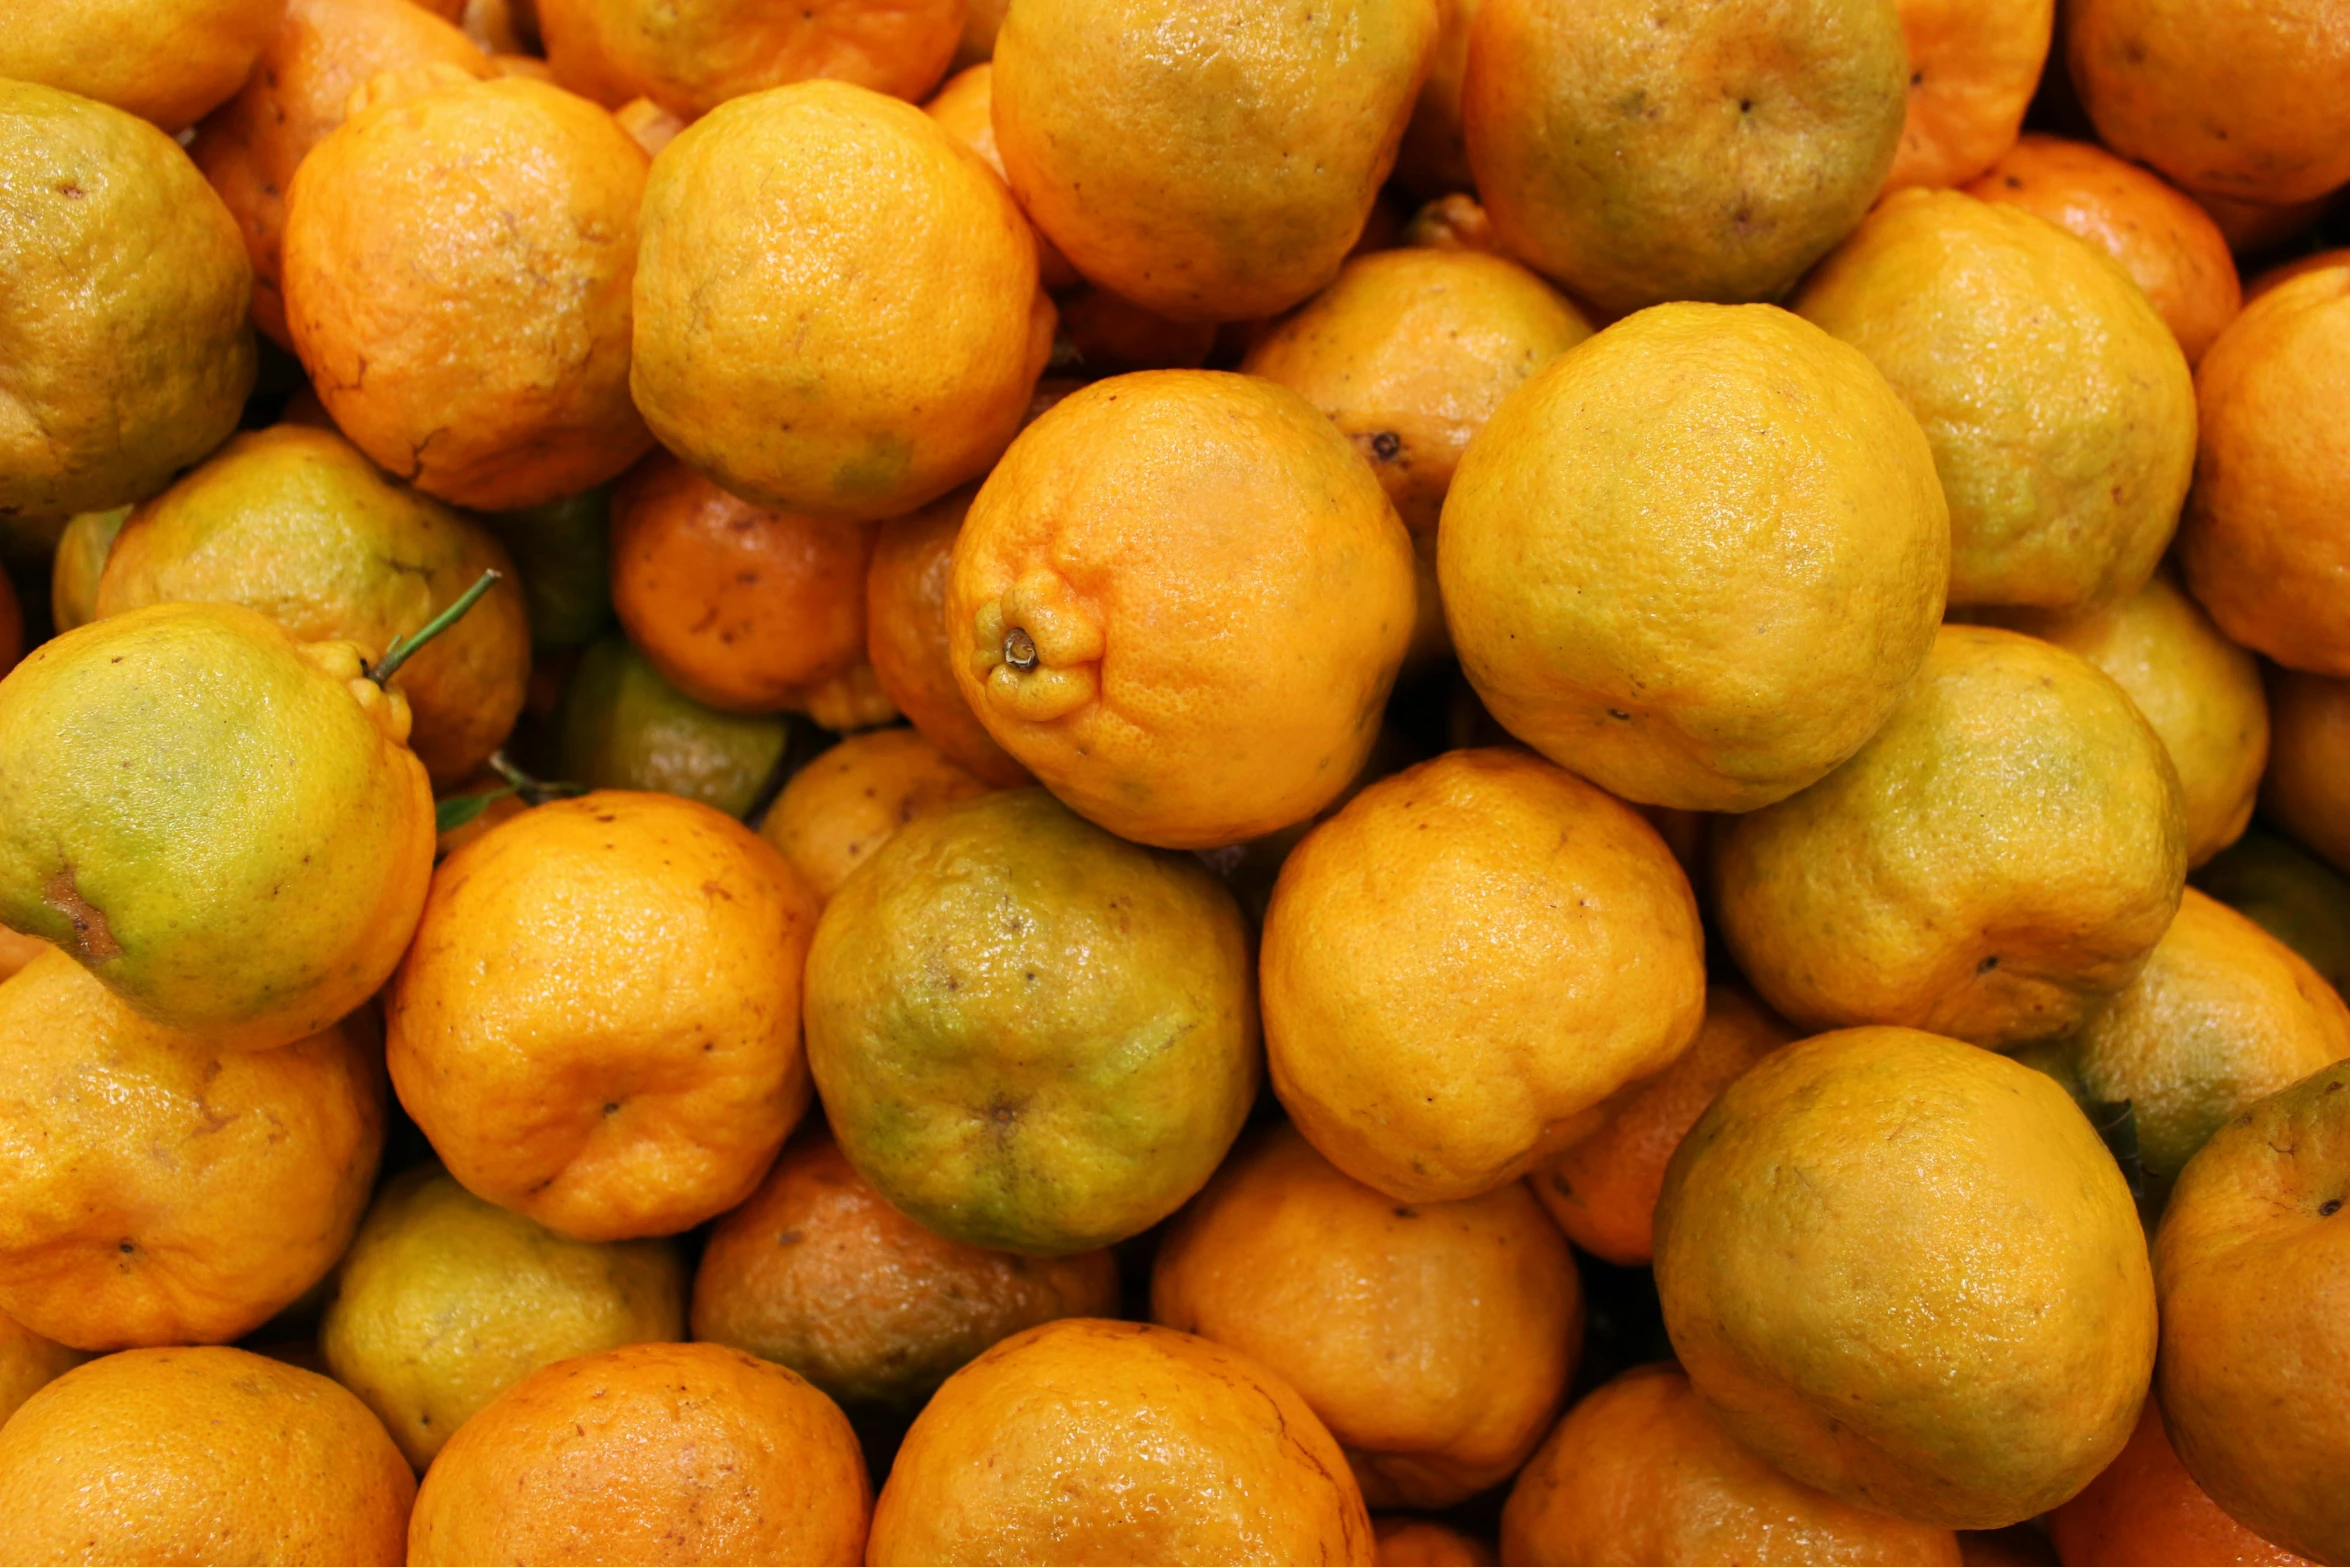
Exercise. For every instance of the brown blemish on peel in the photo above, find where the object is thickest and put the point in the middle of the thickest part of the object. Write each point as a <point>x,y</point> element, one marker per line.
<point>93,940</point>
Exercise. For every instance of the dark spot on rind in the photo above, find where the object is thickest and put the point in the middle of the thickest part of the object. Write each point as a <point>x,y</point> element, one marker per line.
<point>93,939</point>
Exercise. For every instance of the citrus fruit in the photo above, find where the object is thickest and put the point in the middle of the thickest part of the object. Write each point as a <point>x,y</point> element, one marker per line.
<point>1642,1473</point>
<point>2284,272</point>
<point>845,804</point>
<point>484,359</point>
<point>1434,155</point>
<point>817,1273</point>
<point>563,553</point>
<point>2262,543</point>
<point>2253,1263</point>
<point>643,1456</point>
<point>2307,789</point>
<point>1044,1447</point>
<point>742,607</point>
<point>151,1455</point>
<point>906,637</point>
<point>1972,71</point>
<point>1410,352</point>
<point>161,1189</point>
<point>690,57</point>
<point>1180,601</point>
<point>907,269</point>
<point>1415,1542</point>
<point>1639,153</point>
<point>80,560</point>
<point>167,61</point>
<point>660,1105</point>
<point>1997,860</point>
<point>1250,141</point>
<point>2293,895</point>
<point>622,726</point>
<point>2145,1510</point>
<point>1463,962</point>
<point>296,524</point>
<point>1803,558</point>
<point>1434,1340</point>
<point>223,825</point>
<point>29,1362</point>
<point>965,108</point>
<point>1804,1257</point>
<point>2169,246</point>
<point>444,1301</point>
<point>1106,335</point>
<point>995,1091</point>
<point>2065,470</point>
<point>1602,1190</point>
<point>125,350</point>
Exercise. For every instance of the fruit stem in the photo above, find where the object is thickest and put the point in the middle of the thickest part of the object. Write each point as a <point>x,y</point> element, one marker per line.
<point>534,791</point>
<point>405,648</point>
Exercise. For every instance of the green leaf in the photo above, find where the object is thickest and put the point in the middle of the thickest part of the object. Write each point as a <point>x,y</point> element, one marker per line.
<point>457,810</point>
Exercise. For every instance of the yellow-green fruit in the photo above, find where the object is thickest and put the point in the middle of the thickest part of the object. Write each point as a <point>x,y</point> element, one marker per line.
<point>168,61</point>
<point>2059,406</point>
<point>1028,1034</point>
<point>2290,893</point>
<point>126,348</point>
<point>444,1301</point>
<point>80,560</point>
<point>622,726</point>
<point>224,826</point>
<point>294,522</point>
<point>1640,151</point>
<point>1906,1272</point>
<point>1992,865</point>
<point>563,550</point>
<point>1741,466</point>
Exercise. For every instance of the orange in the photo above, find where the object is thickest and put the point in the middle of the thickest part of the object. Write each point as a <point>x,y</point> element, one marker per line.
<point>2253,1262</point>
<point>645,1456</point>
<point>1180,600</point>
<point>1410,352</point>
<point>485,362</point>
<point>1641,1474</point>
<point>300,90</point>
<point>295,523</point>
<point>2222,1014</point>
<point>2290,893</point>
<point>906,268</point>
<point>1434,1340</point>
<point>1434,155</point>
<point>2145,1510</point>
<point>1603,1189</point>
<point>1224,188</point>
<point>965,108</point>
<point>621,726</point>
<point>1415,1542</point>
<point>73,574</point>
<point>1117,1442</point>
<point>2317,261</point>
<point>906,637</point>
<point>168,61</point>
<point>1640,154</point>
<point>2200,692</point>
<point>1997,861</point>
<point>747,609</point>
<point>1698,559</point>
<point>1972,71</point>
<point>2169,246</point>
<point>159,1191</point>
<point>29,1362</point>
<point>1466,960</point>
<point>842,806</point>
<point>817,1273</point>
<point>1905,1271</point>
<point>659,1105</point>
<point>2235,98</point>
<point>691,57</point>
<point>2307,788</point>
<point>125,350</point>
<point>982,20</point>
<point>1107,335</point>
<point>157,1455</point>
<point>2065,470</point>
<point>2263,543</point>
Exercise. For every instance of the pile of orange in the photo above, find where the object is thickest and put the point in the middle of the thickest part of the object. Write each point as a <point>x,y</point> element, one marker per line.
<point>1192,783</point>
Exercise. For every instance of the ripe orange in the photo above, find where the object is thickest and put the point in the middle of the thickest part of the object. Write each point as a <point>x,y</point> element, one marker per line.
<point>842,806</point>
<point>2307,788</point>
<point>906,637</point>
<point>1972,70</point>
<point>2145,1510</point>
<point>690,57</point>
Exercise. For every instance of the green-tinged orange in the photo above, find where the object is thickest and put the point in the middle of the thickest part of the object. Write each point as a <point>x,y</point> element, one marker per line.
<point>622,726</point>
<point>78,564</point>
<point>166,61</point>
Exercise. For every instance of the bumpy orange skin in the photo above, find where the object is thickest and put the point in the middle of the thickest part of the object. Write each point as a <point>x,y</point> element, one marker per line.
<point>1434,1340</point>
<point>299,91</point>
<point>690,57</point>
<point>818,1273</point>
<point>906,637</point>
<point>646,1456</point>
<point>1231,187</point>
<point>1642,1474</point>
<point>168,61</point>
<point>2253,1263</point>
<point>2145,1510</point>
<point>457,272</point>
<point>1603,1189</point>
<point>746,609</point>
<point>905,267</point>
<point>2307,788</point>
<point>842,806</point>
<point>660,1104</point>
<point>1212,595</point>
<point>2168,244</point>
<point>1972,71</point>
<point>2265,541</point>
<point>1465,961</point>
<point>1117,1441</point>
<point>2234,98</point>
